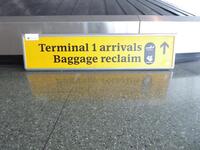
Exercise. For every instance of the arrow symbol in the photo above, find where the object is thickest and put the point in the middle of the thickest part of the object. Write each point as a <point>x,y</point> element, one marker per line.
<point>164,46</point>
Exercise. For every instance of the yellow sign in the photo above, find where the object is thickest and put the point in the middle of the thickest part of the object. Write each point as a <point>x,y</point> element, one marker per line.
<point>98,52</point>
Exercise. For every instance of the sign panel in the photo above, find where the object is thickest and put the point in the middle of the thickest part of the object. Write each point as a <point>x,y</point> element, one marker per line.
<point>62,52</point>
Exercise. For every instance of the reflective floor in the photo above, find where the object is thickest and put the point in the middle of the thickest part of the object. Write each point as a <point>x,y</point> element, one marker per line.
<point>100,110</point>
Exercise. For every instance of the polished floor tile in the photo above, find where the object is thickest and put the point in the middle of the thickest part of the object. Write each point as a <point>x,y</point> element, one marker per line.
<point>100,109</point>
<point>130,111</point>
<point>26,119</point>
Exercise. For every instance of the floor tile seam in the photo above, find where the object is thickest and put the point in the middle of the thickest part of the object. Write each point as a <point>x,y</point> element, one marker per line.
<point>57,119</point>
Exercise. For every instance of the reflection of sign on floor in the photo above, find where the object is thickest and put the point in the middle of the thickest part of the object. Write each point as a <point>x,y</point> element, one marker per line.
<point>98,52</point>
<point>148,86</point>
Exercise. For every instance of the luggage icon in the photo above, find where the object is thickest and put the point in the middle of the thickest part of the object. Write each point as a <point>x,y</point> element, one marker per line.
<point>149,53</point>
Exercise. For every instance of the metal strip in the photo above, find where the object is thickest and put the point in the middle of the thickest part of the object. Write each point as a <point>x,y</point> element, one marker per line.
<point>186,28</point>
<point>12,28</point>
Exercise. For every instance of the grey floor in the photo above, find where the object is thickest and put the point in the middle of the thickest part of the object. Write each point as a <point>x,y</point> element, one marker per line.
<point>119,110</point>
<point>88,7</point>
